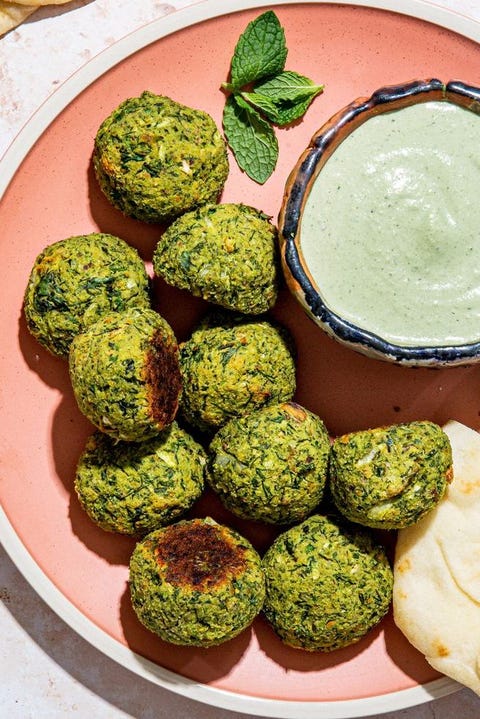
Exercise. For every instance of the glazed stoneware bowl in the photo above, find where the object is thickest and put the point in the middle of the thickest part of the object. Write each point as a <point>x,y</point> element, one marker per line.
<point>305,282</point>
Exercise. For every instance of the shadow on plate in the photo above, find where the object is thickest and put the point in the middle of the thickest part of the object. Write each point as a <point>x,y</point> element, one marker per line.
<point>141,235</point>
<point>69,652</point>
<point>302,661</point>
<point>53,371</point>
<point>211,664</point>
<point>403,654</point>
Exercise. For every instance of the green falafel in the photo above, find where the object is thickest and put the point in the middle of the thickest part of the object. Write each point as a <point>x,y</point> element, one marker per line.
<point>271,465</point>
<point>390,477</point>
<point>233,364</point>
<point>227,254</point>
<point>125,374</point>
<point>196,583</point>
<point>155,158</point>
<point>327,584</point>
<point>75,281</point>
<point>136,487</point>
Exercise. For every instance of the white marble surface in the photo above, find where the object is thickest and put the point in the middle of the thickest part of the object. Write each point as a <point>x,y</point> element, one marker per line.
<point>46,669</point>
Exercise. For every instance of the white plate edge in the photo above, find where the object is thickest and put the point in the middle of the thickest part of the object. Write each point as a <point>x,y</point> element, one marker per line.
<point>278,709</point>
<point>56,600</point>
<point>177,20</point>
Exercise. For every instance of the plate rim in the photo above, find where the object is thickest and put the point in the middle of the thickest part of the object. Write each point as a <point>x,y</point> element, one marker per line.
<point>10,163</point>
<point>213,696</point>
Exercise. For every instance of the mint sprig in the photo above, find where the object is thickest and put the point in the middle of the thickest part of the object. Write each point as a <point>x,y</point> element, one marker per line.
<point>260,51</point>
<point>251,138</point>
<point>261,93</point>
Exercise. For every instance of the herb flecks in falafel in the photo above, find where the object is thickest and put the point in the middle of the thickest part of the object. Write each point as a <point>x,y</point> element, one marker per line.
<point>233,364</point>
<point>327,584</point>
<point>227,254</point>
<point>75,281</point>
<point>271,464</point>
<point>136,487</point>
<point>155,158</point>
<point>196,583</point>
<point>390,477</point>
<point>125,374</point>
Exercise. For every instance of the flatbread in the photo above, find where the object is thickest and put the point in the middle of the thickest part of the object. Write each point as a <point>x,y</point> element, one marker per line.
<point>12,14</point>
<point>436,594</point>
<point>40,3</point>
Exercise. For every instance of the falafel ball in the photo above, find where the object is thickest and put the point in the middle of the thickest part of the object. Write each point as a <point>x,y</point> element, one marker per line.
<point>390,477</point>
<point>271,465</point>
<point>136,487</point>
<point>227,254</point>
<point>75,281</point>
<point>196,583</point>
<point>327,584</point>
<point>155,158</point>
<point>125,374</point>
<point>233,364</point>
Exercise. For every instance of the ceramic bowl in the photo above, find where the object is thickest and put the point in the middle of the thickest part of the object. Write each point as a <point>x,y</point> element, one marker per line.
<point>300,279</point>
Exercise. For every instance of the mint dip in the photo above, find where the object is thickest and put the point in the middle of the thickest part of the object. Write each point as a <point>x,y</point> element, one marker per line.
<point>391,228</point>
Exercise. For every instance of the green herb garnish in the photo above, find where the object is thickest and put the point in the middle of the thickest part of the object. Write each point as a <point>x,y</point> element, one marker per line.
<point>261,93</point>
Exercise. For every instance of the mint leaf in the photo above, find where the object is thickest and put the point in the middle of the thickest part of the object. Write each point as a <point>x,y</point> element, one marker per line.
<point>260,51</point>
<point>283,108</point>
<point>261,94</point>
<point>251,139</point>
<point>263,103</point>
<point>287,112</point>
<point>288,86</point>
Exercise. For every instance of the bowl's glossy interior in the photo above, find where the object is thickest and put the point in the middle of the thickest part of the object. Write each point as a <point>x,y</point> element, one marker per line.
<point>299,274</point>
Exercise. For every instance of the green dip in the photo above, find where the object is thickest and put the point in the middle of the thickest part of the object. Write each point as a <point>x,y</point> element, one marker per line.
<point>390,228</point>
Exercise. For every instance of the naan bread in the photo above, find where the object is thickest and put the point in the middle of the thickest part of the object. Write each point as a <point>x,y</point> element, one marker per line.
<point>41,3</point>
<point>12,14</point>
<point>436,595</point>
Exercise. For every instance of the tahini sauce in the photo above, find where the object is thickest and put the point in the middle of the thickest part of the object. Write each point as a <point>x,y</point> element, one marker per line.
<point>391,228</point>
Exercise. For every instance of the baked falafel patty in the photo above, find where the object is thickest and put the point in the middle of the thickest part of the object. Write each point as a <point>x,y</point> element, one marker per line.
<point>136,487</point>
<point>270,465</point>
<point>390,477</point>
<point>155,158</point>
<point>233,364</point>
<point>227,254</point>
<point>327,584</point>
<point>75,281</point>
<point>196,583</point>
<point>125,374</point>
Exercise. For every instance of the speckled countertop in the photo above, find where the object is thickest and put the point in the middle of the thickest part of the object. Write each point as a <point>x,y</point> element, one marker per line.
<point>47,669</point>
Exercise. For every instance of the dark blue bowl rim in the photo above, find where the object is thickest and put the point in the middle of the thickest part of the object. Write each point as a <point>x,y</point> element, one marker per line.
<point>299,184</point>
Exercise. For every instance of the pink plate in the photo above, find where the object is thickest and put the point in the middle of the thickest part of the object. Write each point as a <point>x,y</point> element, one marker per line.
<point>80,570</point>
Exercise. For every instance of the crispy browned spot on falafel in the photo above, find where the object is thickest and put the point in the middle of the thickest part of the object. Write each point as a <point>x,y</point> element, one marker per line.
<point>196,583</point>
<point>163,362</point>
<point>200,555</point>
